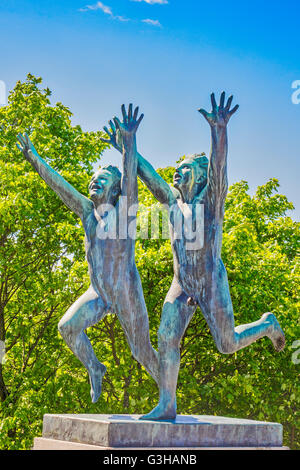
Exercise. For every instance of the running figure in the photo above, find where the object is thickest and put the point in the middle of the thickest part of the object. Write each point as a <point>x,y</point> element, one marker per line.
<point>200,278</point>
<point>115,282</point>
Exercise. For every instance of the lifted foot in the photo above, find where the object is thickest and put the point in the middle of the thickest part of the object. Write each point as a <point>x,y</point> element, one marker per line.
<point>96,382</point>
<point>276,334</point>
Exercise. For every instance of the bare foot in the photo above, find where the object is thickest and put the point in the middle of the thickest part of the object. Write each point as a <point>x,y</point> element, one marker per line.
<point>161,413</point>
<point>276,334</point>
<point>96,377</point>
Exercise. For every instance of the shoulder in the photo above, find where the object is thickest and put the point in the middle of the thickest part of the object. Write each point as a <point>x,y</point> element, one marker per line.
<point>87,208</point>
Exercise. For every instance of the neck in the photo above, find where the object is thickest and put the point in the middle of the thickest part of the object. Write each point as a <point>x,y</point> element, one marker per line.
<point>102,207</point>
<point>189,195</point>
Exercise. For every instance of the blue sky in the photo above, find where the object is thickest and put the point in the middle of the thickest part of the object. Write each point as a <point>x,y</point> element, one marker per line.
<point>167,56</point>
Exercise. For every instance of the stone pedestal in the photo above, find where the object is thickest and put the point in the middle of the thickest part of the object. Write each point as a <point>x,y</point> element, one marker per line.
<point>128,432</point>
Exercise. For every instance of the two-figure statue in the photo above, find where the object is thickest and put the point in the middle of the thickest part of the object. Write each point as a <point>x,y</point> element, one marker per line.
<point>200,278</point>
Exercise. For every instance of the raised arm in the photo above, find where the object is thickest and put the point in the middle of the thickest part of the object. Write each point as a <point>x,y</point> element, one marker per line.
<point>155,183</point>
<point>127,130</point>
<point>69,195</point>
<point>218,119</point>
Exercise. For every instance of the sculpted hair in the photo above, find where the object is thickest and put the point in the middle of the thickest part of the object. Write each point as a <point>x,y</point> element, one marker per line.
<point>116,174</point>
<point>202,163</point>
<point>201,160</point>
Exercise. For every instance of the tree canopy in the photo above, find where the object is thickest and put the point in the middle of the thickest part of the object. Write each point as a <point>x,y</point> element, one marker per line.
<point>43,271</point>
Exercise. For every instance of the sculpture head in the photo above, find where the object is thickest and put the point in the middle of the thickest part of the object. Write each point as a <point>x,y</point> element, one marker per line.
<point>190,176</point>
<point>105,186</point>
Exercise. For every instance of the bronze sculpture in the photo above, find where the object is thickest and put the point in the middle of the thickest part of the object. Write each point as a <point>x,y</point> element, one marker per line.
<point>200,278</point>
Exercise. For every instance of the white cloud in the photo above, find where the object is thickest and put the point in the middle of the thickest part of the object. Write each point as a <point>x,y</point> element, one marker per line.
<point>153,2</point>
<point>120,18</point>
<point>98,6</point>
<point>106,9</point>
<point>2,351</point>
<point>152,22</point>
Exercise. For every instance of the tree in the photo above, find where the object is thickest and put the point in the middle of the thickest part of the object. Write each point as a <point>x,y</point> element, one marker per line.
<point>260,245</point>
<point>260,254</point>
<point>41,244</point>
<point>43,271</point>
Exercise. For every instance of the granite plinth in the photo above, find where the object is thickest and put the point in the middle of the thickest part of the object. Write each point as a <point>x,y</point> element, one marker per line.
<point>128,431</point>
<point>41,443</point>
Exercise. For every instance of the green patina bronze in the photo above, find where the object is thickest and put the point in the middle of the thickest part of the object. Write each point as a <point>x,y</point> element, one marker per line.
<point>200,278</point>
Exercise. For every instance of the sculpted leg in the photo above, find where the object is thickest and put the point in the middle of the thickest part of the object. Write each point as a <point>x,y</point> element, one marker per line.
<point>217,309</point>
<point>176,316</point>
<point>133,316</point>
<point>85,312</point>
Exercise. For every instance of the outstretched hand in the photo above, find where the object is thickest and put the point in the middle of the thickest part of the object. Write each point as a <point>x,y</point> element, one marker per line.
<point>126,129</point>
<point>25,144</point>
<point>220,115</point>
<point>114,137</point>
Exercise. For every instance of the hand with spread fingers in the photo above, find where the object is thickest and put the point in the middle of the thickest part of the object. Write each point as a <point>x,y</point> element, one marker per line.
<point>130,123</point>
<point>123,130</point>
<point>25,145</point>
<point>114,137</point>
<point>219,115</point>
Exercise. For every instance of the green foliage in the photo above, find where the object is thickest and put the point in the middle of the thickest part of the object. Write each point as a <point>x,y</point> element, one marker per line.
<point>41,254</point>
<point>43,271</point>
<point>260,254</point>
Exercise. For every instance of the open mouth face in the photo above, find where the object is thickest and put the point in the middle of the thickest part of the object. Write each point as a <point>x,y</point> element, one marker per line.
<point>95,188</point>
<point>177,177</point>
<point>100,183</point>
<point>182,174</point>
